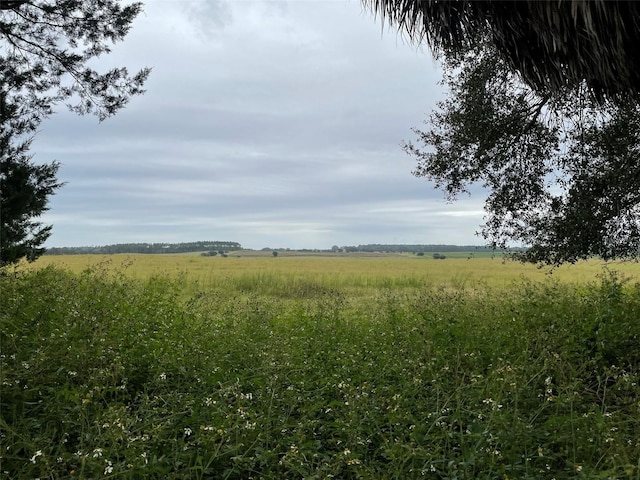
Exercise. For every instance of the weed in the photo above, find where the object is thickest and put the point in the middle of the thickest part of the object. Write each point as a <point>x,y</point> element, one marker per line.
<point>281,376</point>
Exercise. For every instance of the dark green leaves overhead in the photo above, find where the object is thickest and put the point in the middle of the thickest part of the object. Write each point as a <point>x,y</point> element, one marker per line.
<point>562,172</point>
<point>542,112</point>
<point>599,211</point>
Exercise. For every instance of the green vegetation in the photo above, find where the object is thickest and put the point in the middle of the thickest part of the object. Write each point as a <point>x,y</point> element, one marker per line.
<point>104,374</point>
<point>212,248</point>
<point>376,247</point>
<point>25,191</point>
<point>358,273</point>
<point>47,57</point>
<point>186,247</point>
<point>543,111</point>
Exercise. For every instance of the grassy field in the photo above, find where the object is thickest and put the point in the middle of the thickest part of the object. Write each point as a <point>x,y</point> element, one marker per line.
<point>336,271</point>
<point>384,367</point>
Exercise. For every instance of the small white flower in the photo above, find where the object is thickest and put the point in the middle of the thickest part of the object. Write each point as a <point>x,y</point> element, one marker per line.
<point>163,376</point>
<point>188,431</point>
<point>108,468</point>
<point>36,455</point>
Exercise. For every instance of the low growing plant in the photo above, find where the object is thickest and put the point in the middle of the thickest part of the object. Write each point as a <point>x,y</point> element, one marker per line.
<point>105,376</point>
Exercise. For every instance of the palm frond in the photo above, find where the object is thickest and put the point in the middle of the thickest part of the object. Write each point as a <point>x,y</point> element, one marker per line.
<point>553,44</point>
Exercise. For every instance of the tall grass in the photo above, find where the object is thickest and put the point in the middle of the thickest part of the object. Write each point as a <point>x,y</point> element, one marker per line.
<point>340,272</point>
<point>273,377</point>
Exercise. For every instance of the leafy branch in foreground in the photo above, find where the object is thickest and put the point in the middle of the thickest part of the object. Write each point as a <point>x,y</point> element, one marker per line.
<point>562,171</point>
<point>47,46</point>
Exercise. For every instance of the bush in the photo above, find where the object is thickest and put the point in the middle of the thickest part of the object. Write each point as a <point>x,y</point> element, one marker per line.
<point>102,375</point>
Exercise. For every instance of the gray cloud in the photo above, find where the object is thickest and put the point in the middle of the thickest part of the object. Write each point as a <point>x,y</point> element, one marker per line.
<point>208,16</point>
<point>267,123</point>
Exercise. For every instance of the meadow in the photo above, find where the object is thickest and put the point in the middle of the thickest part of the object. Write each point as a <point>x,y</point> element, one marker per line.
<point>377,367</point>
<point>365,272</point>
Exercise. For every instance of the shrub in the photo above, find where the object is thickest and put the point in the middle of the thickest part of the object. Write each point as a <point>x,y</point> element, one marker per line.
<point>102,375</point>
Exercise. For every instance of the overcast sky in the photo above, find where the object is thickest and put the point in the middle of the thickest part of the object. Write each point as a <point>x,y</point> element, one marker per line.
<point>269,123</point>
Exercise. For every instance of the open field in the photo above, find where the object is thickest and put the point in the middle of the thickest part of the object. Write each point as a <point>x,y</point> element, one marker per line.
<point>351,271</point>
<point>388,367</point>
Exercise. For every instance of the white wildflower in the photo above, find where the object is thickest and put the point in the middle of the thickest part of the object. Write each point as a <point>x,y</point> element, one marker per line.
<point>36,455</point>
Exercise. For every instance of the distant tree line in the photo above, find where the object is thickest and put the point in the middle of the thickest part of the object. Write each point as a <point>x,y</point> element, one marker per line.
<point>375,247</point>
<point>187,247</point>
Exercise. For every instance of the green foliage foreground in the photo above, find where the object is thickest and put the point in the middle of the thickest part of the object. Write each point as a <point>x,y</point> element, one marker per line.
<point>107,376</point>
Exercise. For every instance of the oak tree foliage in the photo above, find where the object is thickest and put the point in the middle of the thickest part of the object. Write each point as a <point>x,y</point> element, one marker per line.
<point>562,171</point>
<point>542,112</point>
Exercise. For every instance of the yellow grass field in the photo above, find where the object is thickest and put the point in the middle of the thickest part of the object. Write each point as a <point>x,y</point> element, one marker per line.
<point>337,271</point>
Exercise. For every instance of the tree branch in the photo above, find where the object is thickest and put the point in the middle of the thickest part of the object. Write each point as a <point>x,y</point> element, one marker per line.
<point>12,4</point>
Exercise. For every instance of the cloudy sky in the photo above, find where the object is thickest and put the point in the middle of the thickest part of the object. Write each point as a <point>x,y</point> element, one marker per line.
<point>269,123</point>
